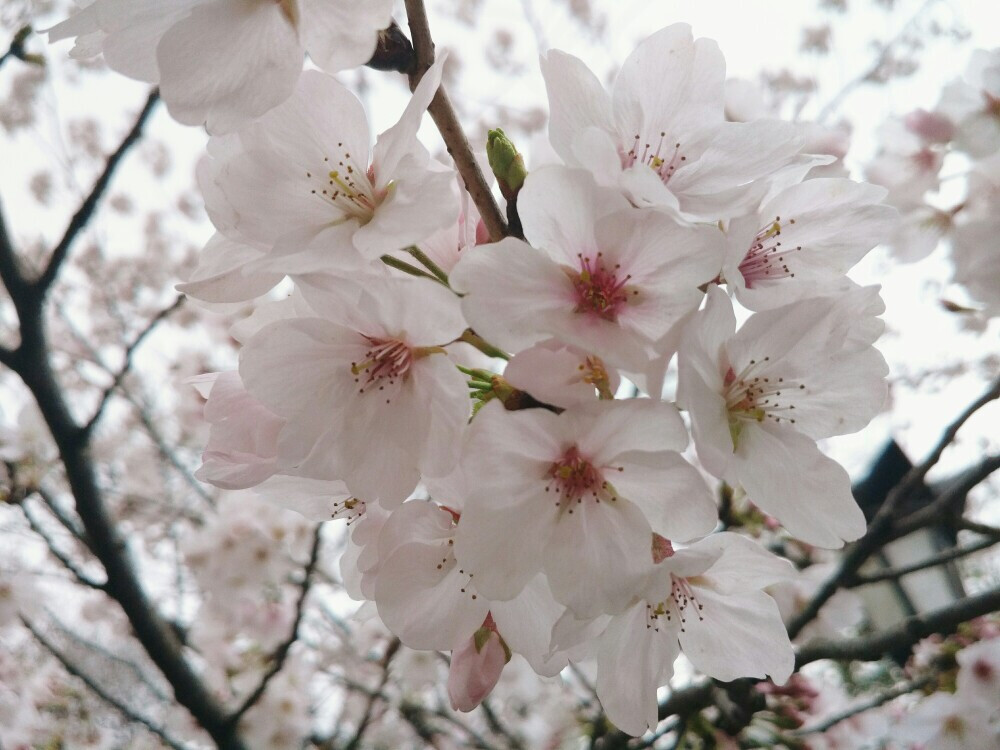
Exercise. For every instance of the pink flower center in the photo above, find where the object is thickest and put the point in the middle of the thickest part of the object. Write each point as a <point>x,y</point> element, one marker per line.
<point>758,397</point>
<point>663,158</point>
<point>573,477</point>
<point>598,289</point>
<point>983,670</point>
<point>765,260</point>
<point>385,362</point>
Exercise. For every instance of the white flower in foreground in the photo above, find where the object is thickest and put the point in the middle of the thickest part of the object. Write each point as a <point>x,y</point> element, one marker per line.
<point>305,189</point>
<point>370,395</point>
<point>226,62</point>
<point>705,600</point>
<point>576,496</point>
<point>760,397</point>
<point>315,499</point>
<point>601,276</point>
<point>661,137</point>
<point>803,241</point>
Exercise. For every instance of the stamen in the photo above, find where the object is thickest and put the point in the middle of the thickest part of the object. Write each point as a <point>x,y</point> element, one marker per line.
<point>599,291</point>
<point>765,260</point>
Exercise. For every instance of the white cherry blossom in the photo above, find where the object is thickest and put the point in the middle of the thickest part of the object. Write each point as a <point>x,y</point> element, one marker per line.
<point>803,241</point>
<point>581,492</point>
<point>660,137</point>
<point>599,275</point>
<point>760,397</point>
<point>371,396</point>
<point>226,62</point>
<point>706,601</point>
<point>303,187</point>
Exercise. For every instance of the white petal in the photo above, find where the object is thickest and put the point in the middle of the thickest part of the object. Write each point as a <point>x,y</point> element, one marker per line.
<point>810,495</point>
<point>227,63</point>
<point>598,556</point>
<point>341,34</point>
<point>577,101</point>
<point>737,635</point>
<point>633,660</point>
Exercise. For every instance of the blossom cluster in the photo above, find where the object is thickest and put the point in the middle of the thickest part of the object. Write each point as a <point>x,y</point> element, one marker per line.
<point>921,156</point>
<point>552,515</point>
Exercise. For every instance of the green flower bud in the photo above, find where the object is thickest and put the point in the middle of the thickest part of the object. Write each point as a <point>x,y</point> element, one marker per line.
<point>506,163</point>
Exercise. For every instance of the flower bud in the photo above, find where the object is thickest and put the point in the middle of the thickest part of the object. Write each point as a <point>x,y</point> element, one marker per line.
<point>506,163</point>
<point>476,666</point>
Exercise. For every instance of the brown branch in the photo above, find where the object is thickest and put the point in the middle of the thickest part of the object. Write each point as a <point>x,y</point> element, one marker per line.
<point>280,654</point>
<point>443,113</point>
<point>99,691</point>
<point>89,205</point>
<point>906,633</point>
<point>874,702</point>
<point>16,48</point>
<point>373,696</point>
<point>953,553</point>
<point>881,526</point>
<point>127,361</point>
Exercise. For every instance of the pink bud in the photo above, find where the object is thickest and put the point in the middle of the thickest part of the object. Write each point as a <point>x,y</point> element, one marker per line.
<point>475,668</point>
<point>930,126</point>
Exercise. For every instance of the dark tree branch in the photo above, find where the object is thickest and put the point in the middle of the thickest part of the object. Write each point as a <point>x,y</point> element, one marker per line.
<point>280,654</point>
<point>443,113</point>
<point>16,48</point>
<point>881,527</point>
<point>99,691</point>
<point>31,362</point>
<point>87,208</point>
<point>127,361</point>
<point>906,633</point>
<point>874,702</point>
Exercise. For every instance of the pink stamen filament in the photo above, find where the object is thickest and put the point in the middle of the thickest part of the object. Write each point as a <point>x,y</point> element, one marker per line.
<point>765,260</point>
<point>598,289</point>
<point>664,159</point>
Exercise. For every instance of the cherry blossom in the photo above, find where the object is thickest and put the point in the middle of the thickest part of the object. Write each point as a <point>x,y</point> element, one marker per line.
<point>303,188</point>
<point>600,276</point>
<point>226,62</point>
<point>371,370</point>
<point>802,242</point>
<point>705,600</point>
<point>660,137</point>
<point>760,397</point>
<point>582,492</point>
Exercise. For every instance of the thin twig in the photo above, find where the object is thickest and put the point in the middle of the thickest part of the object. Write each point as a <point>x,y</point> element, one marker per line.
<point>443,113</point>
<point>86,210</point>
<point>127,361</point>
<point>874,702</point>
<point>67,562</point>
<point>280,654</point>
<point>940,558</point>
<point>373,696</point>
<point>99,691</point>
